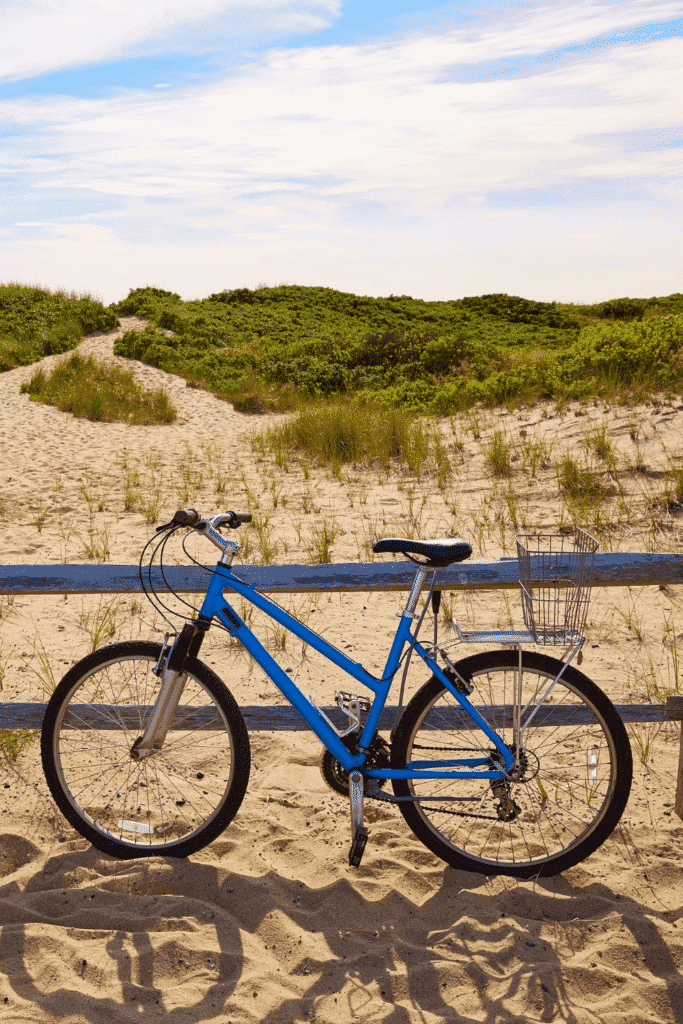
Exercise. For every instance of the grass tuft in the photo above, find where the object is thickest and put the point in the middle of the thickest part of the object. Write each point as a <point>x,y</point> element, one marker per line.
<point>320,545</point>
<point>499,455</point>
<point>598,442</point>
<point>99,391</point>
<point>339,433</point>
<point>14,741</point>
<point>581,484</point>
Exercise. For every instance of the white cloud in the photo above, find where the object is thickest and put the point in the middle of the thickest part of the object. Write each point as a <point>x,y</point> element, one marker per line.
<point>386,131</point>
<point>546,28</point>
<point>50,35</point>
<point>363,167</point>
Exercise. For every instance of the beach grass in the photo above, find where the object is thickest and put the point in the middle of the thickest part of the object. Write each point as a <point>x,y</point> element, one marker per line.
<point>338,433</point>
<point>99,391</point>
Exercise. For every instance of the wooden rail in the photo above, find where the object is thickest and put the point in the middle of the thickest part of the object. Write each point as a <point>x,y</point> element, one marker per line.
<point>283,718</point>
<point>611,570</point>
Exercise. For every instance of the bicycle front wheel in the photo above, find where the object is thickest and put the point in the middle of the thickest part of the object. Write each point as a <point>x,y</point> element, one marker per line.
<point>574,778</point>
<point>171,803</point>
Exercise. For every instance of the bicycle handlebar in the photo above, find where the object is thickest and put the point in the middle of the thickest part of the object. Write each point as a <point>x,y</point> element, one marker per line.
<point>190,517</point>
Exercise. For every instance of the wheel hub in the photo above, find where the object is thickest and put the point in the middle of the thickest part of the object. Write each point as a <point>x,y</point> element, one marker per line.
<point>527,766</point>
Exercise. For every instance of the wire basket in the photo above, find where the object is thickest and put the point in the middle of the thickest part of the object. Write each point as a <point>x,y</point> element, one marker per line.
<point>555,573</point>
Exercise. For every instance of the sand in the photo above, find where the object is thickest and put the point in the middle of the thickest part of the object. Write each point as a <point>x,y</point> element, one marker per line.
<point>269,923</point>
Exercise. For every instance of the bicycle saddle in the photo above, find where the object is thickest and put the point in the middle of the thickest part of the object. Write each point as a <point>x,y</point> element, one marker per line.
<point>437,552</point>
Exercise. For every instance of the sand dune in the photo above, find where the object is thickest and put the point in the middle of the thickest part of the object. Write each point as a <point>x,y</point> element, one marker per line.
<point>269,923</point>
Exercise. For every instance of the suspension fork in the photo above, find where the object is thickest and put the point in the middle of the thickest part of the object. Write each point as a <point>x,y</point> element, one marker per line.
<point>173,678</point>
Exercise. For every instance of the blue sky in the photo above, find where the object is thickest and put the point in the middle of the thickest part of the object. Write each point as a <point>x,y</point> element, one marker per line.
<point>378,147</point>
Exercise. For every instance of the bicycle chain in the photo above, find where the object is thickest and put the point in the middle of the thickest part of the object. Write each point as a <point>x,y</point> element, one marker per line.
<point>385,798</point>
<point>451,750</point>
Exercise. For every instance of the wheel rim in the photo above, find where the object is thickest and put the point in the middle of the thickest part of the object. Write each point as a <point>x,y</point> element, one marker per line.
<point>567,787</point>
<point>163,800</point>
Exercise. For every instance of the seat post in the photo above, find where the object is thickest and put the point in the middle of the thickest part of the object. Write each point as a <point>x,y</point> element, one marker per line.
<point>414,594</point>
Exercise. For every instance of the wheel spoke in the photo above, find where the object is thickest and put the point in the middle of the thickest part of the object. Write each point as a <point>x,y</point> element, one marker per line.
<point>175,799</point>
<point>575,768</point>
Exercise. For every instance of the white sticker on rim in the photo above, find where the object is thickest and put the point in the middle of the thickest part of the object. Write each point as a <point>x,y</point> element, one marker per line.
<point>135,826</point>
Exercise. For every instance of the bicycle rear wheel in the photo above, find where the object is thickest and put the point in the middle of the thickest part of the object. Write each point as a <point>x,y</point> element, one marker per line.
<point>169,804</point>
<point>576,777</point>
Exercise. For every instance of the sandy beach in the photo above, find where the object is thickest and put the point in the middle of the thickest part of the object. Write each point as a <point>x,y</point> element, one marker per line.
<point>269,923</point>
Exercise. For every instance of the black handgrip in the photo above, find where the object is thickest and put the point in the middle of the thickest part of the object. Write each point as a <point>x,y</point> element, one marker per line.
<point>239,517</point>
<point>186,517</point>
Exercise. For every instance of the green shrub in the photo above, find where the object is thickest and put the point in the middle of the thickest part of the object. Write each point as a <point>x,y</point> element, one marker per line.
<point>141,345</point>
<point>262,348</point>
<point>99,391</point>
<point>411,396</point>
<point>623,309</point>
<point>35,322</point>
<point>624,355</point>
<point>322,343</point>
<point>141,301</point>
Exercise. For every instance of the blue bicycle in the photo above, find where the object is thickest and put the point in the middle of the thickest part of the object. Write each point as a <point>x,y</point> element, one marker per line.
<point>505,762</point>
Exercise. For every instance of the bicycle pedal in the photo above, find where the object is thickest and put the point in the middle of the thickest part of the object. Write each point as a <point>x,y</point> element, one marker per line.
<point>343,698</point>
<point>358,845</point>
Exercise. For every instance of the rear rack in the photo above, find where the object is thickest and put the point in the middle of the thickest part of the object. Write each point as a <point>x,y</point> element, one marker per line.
<point>495,636</point>
<point>555,604</point>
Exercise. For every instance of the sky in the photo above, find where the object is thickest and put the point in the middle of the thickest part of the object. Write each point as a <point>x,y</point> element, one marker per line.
<point>375,146</point>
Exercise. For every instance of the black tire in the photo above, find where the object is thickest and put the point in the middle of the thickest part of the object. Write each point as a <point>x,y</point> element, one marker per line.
<point>169,804</point>
<point>573,791</point>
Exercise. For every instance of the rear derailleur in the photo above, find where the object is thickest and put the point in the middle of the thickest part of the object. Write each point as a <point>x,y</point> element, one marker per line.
<point>508,809</point>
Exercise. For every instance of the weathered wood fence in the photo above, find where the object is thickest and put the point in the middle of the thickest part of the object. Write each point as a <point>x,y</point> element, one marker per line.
<point>611,570</point>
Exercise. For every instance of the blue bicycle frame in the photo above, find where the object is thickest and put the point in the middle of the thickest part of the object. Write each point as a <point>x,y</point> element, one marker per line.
<point>215,605</point>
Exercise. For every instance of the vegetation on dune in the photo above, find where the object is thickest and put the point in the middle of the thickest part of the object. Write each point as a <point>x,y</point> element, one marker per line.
<point>270,348</point>
<point>278,349</point>
<point>263,348</point>
<point>99,391</point>
<point>646,354</point>
<point>35,322</point>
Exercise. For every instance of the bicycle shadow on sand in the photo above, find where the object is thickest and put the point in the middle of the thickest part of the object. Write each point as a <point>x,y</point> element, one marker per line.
<point>195,941</point>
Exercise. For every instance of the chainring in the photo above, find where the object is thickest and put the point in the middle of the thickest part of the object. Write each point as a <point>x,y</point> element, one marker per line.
<point>337,778</point>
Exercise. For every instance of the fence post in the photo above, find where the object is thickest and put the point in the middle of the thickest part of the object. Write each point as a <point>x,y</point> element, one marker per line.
<point>674,711</point>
